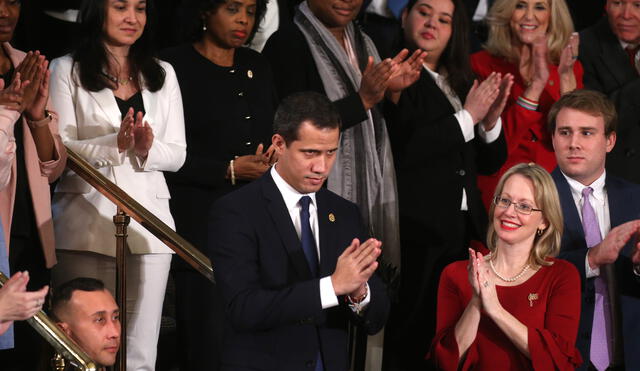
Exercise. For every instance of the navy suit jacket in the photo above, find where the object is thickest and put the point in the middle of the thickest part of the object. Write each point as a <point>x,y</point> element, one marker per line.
<point>624,286</point>
<point>273,307</point>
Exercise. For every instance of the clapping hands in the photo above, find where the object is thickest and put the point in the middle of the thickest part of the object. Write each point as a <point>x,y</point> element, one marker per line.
<point>135,134</point>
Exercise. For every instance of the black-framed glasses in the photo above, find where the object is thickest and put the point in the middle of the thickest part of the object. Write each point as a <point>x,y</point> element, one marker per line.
<point>521,207</point>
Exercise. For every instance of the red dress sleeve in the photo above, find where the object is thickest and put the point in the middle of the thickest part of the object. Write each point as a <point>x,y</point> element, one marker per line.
<point>553,347</point>
<point>451,305</point>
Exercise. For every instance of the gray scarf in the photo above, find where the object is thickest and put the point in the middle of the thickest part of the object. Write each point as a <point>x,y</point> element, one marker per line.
<point>364,172</point>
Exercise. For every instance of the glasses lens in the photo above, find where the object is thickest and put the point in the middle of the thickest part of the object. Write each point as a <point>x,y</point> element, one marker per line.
<point>523,209</point>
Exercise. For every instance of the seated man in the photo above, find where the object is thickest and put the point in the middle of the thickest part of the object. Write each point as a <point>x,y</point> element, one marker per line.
<point>601,227</point>
<point>288,254</point>
<point>87,313</point>
<point>609,55</point>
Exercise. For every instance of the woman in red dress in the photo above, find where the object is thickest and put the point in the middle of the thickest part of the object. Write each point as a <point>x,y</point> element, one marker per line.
<point>516,308</point>
<point>534,41</point>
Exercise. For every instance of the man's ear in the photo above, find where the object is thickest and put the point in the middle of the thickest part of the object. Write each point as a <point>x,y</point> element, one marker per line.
<point>278,142</point>
<point>65,328</point>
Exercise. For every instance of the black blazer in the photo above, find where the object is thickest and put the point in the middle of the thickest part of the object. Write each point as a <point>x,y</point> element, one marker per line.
<point>607,69</point>
<point>624,286</point>
<point>434,163</point>
<point>275,317</point>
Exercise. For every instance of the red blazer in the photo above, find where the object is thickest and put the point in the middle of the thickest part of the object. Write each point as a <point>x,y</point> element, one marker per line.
<point>525,131</point>
<point>39,174</point>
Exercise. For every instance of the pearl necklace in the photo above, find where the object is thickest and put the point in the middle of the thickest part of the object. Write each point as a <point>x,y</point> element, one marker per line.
<point>511,279</point>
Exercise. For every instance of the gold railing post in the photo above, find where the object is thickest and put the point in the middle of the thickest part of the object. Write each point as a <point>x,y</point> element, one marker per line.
<point>58,363</point>
<point>121,220</point>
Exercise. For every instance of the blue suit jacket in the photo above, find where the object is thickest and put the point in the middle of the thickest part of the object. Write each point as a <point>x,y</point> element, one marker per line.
<point>624,286</point>
<point>275,319</point>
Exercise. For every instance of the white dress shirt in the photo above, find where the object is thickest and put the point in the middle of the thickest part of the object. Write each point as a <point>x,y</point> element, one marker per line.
<point>600,204</point>
<point>291,198</point>
<point>481,11</point>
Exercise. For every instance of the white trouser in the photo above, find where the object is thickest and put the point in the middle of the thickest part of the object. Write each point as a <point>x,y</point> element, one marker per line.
<point>146,283</point>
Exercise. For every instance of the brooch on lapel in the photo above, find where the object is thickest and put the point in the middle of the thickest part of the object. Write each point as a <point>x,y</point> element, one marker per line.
<point>250,74</point>
<point>332,218</point>
<point>531,298</point>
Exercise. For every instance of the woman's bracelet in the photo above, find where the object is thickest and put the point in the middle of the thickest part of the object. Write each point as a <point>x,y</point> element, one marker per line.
<point>233,173</point>
<point>525,103</point>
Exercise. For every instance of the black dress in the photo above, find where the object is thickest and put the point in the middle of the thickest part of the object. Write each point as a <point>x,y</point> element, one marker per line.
<point>228,113</point>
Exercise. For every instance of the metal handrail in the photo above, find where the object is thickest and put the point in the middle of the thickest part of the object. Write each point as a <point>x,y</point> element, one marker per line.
<point>58,339</point>
<point>132,208</point>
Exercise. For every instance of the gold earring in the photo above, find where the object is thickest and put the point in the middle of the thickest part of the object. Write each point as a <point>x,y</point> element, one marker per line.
<point>539,232</point>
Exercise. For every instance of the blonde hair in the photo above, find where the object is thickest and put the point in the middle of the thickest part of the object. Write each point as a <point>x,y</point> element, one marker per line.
<point>500,38</point>
<point>546,197</point>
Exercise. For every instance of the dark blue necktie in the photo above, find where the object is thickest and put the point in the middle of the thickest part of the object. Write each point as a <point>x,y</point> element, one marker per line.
<point>306,236</point>
<point>310,251</point>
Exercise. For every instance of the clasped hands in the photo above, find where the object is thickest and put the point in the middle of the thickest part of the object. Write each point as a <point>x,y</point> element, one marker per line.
<point>355,266</point>
<point>29,90</point>
<point>483,287</point>
<point>135,134</point>
<point>391,75</point>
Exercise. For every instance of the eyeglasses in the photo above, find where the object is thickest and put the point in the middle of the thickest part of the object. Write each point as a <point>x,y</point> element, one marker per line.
<point>520,207</point>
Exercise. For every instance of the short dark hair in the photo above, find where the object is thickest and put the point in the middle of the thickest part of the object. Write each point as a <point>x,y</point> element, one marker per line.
<point>213,5</point>
<point>63,293</point>
<point>588,101</point>
<point>306,106</point>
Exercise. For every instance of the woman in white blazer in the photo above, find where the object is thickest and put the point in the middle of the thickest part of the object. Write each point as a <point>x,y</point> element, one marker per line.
<point>121,109</point>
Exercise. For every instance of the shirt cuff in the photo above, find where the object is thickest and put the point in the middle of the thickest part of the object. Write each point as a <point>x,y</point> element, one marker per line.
<point>466,124</point>
<point>590,273</point>
<point>492,135</point>
<point>328,297</point>
<point>359,307</point>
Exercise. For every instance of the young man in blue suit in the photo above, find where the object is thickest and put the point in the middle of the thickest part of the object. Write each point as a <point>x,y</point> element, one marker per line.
<point>601,228</point>
<point>291,258</point>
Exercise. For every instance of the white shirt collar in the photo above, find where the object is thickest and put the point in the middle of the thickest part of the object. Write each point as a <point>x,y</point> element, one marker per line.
<point>597,185</point>
<point>290,195</point>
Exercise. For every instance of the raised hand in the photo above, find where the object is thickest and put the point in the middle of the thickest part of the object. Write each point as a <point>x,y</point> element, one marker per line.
<point>488,293</point>
<point>375,80</point>
<point>481,96</point>
<point>540,69</point>
<point>408,70</point>
<point>16,303</point>
<point>568,58</point>
<point>355,266</point>
<point>250,167</point>
<point>34,69</point>
<point>495,110</point>
<point>472,268</point>
<point>607,251</point>
<point>142,137</point>
<point>11,97</point>
<point>125,134</point>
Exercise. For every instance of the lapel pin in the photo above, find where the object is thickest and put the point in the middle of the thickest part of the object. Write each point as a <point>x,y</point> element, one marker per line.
<point>250,74</point>
<point>332,218</point>
<point>532,297</point>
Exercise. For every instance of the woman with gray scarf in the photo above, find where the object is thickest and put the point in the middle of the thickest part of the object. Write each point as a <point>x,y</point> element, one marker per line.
<point>325,52</point>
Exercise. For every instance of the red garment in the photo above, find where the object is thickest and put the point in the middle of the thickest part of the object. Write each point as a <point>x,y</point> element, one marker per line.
<point>525,131</point>
<point>552,321</point>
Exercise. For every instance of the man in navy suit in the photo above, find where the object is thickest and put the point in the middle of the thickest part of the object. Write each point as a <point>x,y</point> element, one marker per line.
<point>292,272</point>
<point>582,124</point>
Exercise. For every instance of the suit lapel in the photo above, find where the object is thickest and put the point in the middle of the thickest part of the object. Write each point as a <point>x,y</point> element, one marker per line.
<point>107,103</point>
<point>282,222</point>
<point>573,225</point>
<point>327,221</point>
<point>613,57</point>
